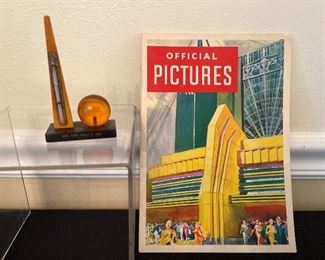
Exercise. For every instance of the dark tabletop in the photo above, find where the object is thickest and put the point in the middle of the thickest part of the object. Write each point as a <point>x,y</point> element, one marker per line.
<point>103,234</point>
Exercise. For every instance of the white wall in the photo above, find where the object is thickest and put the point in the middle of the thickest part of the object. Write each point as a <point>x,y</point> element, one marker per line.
<point>99,46</point>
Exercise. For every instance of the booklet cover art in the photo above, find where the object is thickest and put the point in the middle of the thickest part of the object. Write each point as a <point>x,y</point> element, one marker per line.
<point>215,172</point>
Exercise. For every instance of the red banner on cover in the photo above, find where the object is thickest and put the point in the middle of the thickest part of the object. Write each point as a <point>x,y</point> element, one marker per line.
<point>192,69</point>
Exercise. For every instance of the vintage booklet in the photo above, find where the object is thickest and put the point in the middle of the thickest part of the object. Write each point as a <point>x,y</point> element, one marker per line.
<point>215,158</point>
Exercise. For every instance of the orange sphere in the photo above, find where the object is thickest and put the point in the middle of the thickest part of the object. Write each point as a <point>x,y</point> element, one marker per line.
<point>94,110</point>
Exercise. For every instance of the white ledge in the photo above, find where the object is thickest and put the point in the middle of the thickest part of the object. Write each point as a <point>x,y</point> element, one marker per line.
<point>308,141</point>
<point>308,155</point>
<point>307,162</point>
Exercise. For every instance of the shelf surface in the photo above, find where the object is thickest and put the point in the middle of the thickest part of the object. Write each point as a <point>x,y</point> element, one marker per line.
<point>101,235</point>
<point>30,124</point>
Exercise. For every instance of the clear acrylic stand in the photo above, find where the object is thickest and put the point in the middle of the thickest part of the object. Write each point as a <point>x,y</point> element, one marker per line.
<point>14,206</point>
<point>107,158</point>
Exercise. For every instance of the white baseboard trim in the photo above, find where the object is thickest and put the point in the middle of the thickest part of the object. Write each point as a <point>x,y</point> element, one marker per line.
<point>308,155</point>
<point>307,162</point>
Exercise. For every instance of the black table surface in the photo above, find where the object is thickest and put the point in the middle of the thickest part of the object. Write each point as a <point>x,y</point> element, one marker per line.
<point>103,234</point>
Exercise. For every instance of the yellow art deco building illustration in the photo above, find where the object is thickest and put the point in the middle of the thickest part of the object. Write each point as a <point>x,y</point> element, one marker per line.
<point>230,179</point>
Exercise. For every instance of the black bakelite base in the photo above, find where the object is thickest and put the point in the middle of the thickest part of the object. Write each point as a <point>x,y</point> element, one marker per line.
<point>80,132</point>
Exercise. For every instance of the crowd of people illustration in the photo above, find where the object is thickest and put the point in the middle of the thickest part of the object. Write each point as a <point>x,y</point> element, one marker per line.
<point>169,233</point>
<point>268,232</point>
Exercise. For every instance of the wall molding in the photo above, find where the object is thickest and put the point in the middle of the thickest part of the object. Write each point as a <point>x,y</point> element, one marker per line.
<point>307,162</point>
<point>308,155</point>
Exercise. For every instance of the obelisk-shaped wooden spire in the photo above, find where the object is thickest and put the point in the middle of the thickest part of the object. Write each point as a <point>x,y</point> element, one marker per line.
<point>62,117</point>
